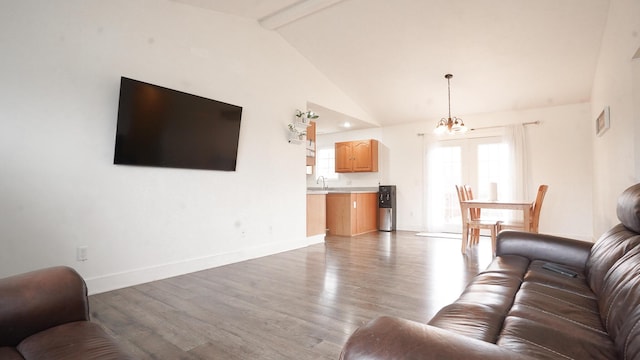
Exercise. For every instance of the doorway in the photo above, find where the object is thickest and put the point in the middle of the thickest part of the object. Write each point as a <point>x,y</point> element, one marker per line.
<point>477,162</point>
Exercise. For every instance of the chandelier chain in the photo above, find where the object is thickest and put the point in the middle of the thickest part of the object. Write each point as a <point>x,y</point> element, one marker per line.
<point>450,125</point>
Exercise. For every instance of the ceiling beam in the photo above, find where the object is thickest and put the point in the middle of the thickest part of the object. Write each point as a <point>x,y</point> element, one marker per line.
<point>294,12</point>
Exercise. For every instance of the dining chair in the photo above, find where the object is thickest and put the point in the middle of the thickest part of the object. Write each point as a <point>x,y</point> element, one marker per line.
<point>534,219</point>
<point>474,222</point>
<point>474,214</point>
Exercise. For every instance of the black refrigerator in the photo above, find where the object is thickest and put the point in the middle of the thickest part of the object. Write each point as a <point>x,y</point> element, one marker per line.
<point>387,208</point>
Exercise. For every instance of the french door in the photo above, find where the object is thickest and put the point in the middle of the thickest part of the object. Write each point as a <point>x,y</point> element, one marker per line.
<point>477,162</point>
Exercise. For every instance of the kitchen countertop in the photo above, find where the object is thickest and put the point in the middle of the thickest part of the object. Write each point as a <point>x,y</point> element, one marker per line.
<point>341,190</point>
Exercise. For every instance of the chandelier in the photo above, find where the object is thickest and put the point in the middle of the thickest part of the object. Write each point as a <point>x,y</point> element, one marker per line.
<point>450,125</point>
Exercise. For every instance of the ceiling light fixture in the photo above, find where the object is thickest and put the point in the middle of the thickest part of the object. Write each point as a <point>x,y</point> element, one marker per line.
<point>450,125</point>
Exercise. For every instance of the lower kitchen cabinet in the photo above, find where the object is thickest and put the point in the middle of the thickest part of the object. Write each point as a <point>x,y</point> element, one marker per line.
<point>316,214</point>
<point>351,214</point>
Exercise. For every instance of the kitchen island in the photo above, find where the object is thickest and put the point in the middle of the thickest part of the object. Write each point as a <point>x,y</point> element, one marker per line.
<point>349,211</point>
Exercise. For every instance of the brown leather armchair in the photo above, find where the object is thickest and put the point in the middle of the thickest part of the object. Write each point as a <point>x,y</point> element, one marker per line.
<point>44,314</point>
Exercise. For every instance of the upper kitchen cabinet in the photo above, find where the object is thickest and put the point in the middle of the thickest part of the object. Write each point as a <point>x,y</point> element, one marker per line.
<point>310,144</point>
<point>357,156</point>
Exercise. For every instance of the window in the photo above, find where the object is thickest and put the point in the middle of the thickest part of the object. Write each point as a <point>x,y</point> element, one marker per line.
<point>492,168</point>
<point>325,164</point>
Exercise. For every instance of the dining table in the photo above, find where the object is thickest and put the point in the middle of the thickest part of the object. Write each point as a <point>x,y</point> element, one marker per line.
<point>524,206</point>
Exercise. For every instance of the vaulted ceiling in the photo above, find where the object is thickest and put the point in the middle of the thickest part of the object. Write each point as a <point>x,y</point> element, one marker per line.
<point>390,57</point>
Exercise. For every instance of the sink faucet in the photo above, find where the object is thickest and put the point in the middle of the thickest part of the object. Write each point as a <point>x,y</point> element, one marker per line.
<point>324,184</point>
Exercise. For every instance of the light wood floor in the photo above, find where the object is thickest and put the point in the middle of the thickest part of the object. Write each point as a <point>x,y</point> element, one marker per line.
<point>301,304</point>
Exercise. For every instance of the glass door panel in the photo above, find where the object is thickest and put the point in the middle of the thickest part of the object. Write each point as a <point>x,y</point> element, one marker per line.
<point>475,162</point>
<point>445,170</point>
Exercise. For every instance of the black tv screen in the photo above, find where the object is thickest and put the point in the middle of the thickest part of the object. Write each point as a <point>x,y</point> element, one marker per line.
<point>168,128</point>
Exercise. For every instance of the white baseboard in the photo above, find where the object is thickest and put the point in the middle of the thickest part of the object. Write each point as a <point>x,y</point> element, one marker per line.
<point>315,239</point>
<point>114,281</point>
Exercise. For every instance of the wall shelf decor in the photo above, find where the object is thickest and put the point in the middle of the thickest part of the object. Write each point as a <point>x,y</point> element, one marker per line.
<point>298,128</point>
<point>297,134</point>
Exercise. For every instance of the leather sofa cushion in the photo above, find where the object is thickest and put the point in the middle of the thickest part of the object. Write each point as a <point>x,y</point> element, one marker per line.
<point>75,340</point>
<point>612,272</point>
<point>541,339</point>
<point>537,274</point>
<point>387,338</point>
<point>579,301</point>
<point>619,307</point>
<point>38,300</point>
<point>628,208</point>
<point>476,321</point>
<point>556,316</point>
<point>611,246</point>
<point>10,353</point>
<point>480,310</point>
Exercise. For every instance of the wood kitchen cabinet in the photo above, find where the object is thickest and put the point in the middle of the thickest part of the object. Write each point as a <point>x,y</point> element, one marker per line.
<point>357,156</point>
<point>366,213</point>
<point>316,214</point>
<point>350,214</point>
<point>310,144</point>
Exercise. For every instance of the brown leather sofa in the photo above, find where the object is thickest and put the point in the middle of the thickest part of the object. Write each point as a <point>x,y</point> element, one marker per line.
<point>44,315</point>
<point>519,308</point>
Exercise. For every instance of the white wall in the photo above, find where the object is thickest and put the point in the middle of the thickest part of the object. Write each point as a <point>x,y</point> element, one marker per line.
<point>560,153</point>
<point>60,68</point>
<point>616,153</point>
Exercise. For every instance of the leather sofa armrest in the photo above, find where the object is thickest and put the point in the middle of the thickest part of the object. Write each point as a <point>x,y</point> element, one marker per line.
<point>395,338</point>
<point>38,300</point>
<point>544,247</point>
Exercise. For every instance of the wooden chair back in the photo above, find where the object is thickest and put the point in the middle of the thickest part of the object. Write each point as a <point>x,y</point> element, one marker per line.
<point>461,196</point>
<point>537,206</point>
<point>474,213</point>
<point>473,221</point>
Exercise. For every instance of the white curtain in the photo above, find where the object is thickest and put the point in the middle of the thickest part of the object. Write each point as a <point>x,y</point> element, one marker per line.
<point>515,138</point>
<point>432,204</point>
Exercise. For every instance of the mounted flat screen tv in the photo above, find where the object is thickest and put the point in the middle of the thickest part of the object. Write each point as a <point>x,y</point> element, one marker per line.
<point>168,128</point>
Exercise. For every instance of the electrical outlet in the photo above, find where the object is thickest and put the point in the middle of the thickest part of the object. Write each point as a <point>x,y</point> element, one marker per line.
<point>81,253</point>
